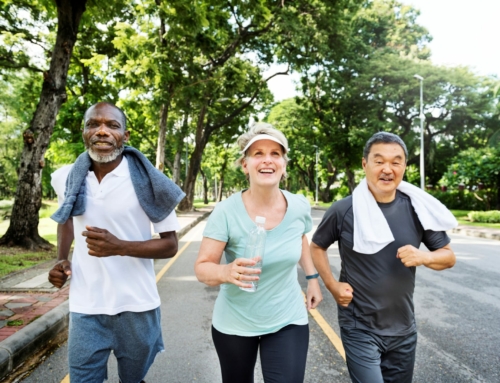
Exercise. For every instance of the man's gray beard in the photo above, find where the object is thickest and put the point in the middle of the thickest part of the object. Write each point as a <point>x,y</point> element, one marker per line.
<point>106,158</point>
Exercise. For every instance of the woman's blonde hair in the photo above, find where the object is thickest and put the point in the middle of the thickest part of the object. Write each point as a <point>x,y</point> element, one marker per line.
<point>261,128</point>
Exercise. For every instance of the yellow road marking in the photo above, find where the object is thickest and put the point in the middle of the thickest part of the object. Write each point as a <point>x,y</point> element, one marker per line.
<point>170,263</point>
<point>158,277</point>
<point>328,330</point>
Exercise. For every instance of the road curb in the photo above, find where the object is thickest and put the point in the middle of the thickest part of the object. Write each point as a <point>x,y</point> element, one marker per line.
<point>182,232</point>
<point>476,233</point>
<point>23,344</point>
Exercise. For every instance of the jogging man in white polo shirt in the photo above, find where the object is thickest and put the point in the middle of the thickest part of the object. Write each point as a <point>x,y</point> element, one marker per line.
<point>106,206</point>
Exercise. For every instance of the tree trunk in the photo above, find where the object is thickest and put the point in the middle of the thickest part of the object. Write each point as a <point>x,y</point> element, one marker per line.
<point>23,228</point>
<point>351,183</point>
<point>176,174</point>
<point>160,149</point>
<point>221,185</point>
<point>201,139</point>
<point>205,187</point>
<point>325,193</point>
<point>222,172</point>
<point>194,167</point>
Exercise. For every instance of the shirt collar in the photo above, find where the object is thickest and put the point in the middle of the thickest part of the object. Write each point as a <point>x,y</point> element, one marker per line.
<point>121,170</point>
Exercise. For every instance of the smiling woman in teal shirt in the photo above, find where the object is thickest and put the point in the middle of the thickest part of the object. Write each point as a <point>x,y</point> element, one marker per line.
<point>274,318</point>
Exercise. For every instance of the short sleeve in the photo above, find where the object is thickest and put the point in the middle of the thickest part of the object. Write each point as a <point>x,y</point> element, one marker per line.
<point>327,233</point>
<point>308,224</point>
<point>171,223</point>
<point>434,240</point>
<point>58,182</point>
<point>217,225</point>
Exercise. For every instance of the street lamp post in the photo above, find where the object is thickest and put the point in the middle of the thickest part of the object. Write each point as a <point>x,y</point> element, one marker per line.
<point>422,167</point>
<point>186,158</point>
<point>316,168</point>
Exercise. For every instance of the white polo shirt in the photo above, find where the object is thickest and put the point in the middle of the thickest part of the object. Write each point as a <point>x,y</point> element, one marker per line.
<point>111,285</point>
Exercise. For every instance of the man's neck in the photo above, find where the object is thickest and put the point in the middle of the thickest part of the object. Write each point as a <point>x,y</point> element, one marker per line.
<point>383,197</point>
<point>101,169</point>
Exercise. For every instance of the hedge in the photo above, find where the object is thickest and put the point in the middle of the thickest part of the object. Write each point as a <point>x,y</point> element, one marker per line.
<point>464,199</point>
<point>492,216</point>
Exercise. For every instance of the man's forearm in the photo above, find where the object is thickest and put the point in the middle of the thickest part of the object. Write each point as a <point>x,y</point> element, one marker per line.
<point>440,259</point>
<point>322,264</point>
<point>164,247</point>
<point>65,237</point>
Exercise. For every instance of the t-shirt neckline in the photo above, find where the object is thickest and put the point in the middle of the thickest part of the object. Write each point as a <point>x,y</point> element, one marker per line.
<point>243,208</point>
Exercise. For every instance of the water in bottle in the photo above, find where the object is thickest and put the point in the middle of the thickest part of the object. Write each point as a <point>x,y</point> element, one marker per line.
<point>255,249</point>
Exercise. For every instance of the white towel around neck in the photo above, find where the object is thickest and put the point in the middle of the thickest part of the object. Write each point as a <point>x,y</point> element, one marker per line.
<point>371,230</point>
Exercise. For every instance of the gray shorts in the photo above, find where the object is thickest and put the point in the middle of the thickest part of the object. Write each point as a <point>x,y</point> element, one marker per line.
<point>135,339</point>
<point>379,359</point>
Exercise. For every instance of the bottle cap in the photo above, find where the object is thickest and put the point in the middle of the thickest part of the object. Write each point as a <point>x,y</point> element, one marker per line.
<point>261,220</point>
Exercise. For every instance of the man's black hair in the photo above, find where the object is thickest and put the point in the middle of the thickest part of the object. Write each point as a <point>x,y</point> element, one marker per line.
<point>124,118</point>
<point>384,138</point>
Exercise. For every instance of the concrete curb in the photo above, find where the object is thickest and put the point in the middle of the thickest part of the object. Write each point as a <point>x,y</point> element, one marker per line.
<point>182,232</point>
<point>472,232</point>
<point>23,344</point>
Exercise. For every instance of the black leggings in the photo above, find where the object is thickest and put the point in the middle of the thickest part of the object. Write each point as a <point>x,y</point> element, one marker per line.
<point>283,355</point>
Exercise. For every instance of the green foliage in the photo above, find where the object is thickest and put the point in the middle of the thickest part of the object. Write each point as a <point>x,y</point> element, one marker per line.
<point>492,216</point>
<point>473,166</point>
<point>412,175</point>
<point>17,89</point>
<point>465,199</point>
<point>202,62</point>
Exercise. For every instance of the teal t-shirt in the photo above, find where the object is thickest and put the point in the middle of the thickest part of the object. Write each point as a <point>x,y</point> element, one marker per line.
<point>278,301</point>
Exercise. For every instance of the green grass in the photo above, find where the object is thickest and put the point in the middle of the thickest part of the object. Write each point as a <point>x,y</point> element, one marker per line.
<point>19,259</point>
<point>14,259</point>
<point>463,219</point>
<point>17,322</point>
<point>199,203</point>
<point>47,228</point>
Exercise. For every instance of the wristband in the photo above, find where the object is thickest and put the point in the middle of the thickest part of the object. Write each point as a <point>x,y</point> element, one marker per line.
<point>312,276</point>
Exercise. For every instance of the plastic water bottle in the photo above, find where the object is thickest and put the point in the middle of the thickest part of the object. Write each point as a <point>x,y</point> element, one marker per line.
<point>255,249</point>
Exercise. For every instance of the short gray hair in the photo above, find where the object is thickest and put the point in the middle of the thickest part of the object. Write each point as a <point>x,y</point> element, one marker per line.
<point>261,128</point>
<point>384,138</point>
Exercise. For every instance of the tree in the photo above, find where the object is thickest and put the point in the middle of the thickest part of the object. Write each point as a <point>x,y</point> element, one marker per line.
<point>372,89</point>
<point>23,228</point>
<point>474,166</point>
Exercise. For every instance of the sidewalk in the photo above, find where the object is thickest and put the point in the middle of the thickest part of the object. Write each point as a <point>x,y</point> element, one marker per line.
<point>33,312</point>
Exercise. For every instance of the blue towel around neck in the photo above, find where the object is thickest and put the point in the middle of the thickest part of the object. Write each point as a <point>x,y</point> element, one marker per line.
<point>157,194</point>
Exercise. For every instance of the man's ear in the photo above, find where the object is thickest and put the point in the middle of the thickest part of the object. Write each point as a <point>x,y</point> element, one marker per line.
<point>363,163</point>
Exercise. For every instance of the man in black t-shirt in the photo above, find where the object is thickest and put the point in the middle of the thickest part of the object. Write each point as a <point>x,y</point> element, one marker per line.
<point>375,291</point>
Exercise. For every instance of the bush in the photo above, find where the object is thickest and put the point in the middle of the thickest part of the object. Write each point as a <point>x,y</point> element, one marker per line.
<point>492,216</point>
<point>464,199</point>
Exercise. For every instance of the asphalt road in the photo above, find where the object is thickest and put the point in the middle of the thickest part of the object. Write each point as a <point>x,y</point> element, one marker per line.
<point>458,320</point>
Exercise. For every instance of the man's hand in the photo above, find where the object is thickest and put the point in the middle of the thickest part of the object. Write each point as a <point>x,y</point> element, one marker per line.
<point>59,273</point>
<point>411,256</point>
<point>342,292</point>
<point>101,243</point>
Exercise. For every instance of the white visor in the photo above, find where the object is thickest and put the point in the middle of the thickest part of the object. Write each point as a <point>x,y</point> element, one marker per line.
<point>263,137</point>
